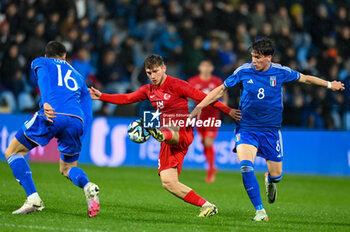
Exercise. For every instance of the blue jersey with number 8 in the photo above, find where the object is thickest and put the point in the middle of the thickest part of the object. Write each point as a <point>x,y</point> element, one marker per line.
<point>261,94</point>
<point>62,87</point>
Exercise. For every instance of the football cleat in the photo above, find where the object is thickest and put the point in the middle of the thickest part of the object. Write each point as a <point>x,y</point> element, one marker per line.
<point>91,192</point>
<point>271,190</point>
<point>260,215</point>
<point>30,206</point>
<point>156,133</point>
<point>207,211</point>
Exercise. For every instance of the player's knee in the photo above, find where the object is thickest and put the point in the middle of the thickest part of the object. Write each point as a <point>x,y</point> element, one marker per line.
<point>275,178</point>
<point>168,185</point>
<point>246,166</point>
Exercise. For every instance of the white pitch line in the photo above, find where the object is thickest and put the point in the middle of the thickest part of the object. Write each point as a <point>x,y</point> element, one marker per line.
<point>46,228</point>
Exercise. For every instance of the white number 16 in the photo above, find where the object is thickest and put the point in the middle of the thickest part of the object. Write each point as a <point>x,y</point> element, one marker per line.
<point>67,77</point>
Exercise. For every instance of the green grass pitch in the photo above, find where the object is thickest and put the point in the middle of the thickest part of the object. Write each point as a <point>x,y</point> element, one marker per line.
<point>132,199</point>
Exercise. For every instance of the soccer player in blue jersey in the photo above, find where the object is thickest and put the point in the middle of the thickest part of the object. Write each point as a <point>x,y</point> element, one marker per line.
<point>65,111</point>
<point>258,132</point>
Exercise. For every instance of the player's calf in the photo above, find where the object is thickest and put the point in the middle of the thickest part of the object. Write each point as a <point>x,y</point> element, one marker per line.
<point>251,184</point>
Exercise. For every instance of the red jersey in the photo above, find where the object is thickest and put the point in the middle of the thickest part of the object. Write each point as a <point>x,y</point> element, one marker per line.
<point>170,98</point>
<point>206,87</point>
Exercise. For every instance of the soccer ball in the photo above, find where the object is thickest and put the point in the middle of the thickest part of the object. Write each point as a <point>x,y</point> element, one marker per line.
<point>137,133</point>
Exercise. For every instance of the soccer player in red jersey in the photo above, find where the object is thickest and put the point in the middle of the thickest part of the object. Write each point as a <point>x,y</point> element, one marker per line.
<point>169,96</point>
<point>206,82</point>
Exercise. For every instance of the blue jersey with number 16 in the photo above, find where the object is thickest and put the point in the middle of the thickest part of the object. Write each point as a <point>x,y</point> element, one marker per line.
<point>261,94</point>
<point>62,87</point>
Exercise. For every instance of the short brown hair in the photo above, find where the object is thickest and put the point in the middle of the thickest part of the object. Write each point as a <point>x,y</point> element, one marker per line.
<point>153,61</point>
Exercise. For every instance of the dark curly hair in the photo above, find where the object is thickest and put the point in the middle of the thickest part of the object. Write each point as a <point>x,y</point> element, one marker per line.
<point>263,46</point>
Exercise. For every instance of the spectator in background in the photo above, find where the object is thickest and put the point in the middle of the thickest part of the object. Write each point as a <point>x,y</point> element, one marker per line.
<point>127,56</point>
<point>112,45</point>
<point>52,26</point>
<point>13,18</point>
<point>207,22</point>
<point>242,35</point>
<point>174,11</point>
<point>227,18</point>
<point>344,42</point>
<point>108,70</point>
<point>82,62</point>
<point>4,37</point>
<point>258,18</point>
<point>242,15</point>
<point>11,71</point>
<point>187,33</point>
<point>212,53</point>
<point>169,44</point>
<point>12,82</point>
<point>228,57</point>
<point>36,42</point>
<point>67,24</point>
<point>97,33</point>
<point>320,27</point>
<point>192,56</point>
<point>281,20</point>
<point>29,21</point>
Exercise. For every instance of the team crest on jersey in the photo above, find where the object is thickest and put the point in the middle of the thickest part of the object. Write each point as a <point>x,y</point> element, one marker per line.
<point>167,96</point>
<point>272,81</point>
<point>238,137</point>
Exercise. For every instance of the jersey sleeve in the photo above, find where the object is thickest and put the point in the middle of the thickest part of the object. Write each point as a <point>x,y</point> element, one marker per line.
<point>137,96</point>
<point>234,79</point>
<point>86,106</point>
<point>42,74</point>
<point>290,74</point>
<point>36,64</point>
<point>186,90</point>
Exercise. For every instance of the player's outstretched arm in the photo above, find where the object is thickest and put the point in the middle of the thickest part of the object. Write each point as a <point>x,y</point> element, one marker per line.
<point>214,95</point>
<point>334,85</point>
<point>138,95</point>
<point>94,93</point>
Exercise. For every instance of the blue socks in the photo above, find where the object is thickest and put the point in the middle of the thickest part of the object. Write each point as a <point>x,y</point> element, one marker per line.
<point>22,173</point>
<point>273,179</point>
<point>251,183</point>
<point>78,177</point>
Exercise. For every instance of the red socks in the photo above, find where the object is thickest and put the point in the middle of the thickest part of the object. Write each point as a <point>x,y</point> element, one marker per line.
<point>209,154</point>
<point>168,133</point>
<point>193,198</point>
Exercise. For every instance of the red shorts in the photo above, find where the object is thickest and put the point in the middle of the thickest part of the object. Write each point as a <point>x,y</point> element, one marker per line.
<point>171,156</point>
<point>211,132</point>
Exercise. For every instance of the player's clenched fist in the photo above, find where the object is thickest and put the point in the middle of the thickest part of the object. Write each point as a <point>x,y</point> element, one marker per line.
<point>95,93</point>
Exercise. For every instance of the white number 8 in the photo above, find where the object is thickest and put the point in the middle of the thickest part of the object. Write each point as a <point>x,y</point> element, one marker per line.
<point>261,94</point>
<point>67,77</point>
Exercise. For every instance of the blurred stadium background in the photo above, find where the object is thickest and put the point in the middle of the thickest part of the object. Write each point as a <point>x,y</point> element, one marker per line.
<point>107,42</point>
